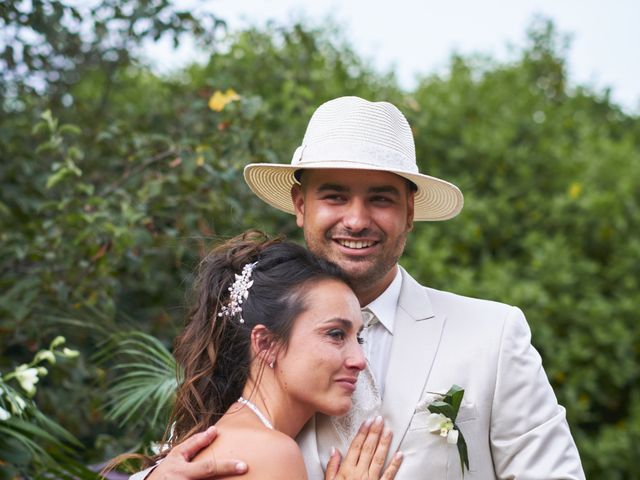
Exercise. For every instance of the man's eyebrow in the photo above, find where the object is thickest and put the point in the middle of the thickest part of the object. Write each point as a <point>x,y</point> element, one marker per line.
<point>334,187</point>
<point>385,189</point>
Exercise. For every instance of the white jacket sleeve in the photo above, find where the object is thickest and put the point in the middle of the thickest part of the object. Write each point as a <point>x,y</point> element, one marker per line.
<point>529,434</point>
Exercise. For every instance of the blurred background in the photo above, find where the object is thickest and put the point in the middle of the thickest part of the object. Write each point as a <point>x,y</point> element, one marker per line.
<point>124,129</point>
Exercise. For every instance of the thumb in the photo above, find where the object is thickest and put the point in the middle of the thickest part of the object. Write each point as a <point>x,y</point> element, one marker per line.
<point>333,465</point>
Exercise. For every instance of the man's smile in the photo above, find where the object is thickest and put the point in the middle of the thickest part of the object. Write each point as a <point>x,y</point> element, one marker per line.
<point>356,244</point>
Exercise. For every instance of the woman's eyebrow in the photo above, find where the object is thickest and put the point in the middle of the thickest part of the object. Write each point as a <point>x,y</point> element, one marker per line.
<point>344,321</point>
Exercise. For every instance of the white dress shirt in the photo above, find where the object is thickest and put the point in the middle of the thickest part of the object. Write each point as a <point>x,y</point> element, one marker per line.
<point>379,336</point>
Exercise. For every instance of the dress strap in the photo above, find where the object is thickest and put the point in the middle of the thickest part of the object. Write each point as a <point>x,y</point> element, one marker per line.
<point>252,406</point>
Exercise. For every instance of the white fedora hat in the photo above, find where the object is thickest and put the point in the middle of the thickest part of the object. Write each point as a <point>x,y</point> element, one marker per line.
<point>352,133</point>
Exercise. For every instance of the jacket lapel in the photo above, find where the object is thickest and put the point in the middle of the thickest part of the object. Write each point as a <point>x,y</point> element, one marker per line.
<point>310,449</point>
<point>416,337</point>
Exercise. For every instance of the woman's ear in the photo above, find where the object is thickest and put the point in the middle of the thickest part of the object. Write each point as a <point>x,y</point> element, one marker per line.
<point>263,344</point>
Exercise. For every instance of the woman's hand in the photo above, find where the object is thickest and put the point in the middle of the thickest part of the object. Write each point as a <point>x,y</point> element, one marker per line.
<point>366,456</point>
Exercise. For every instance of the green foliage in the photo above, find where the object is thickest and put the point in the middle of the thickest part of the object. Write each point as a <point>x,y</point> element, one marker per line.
<point>551,222</point>
<point>29,439</point>
<point>115,181</point>
<point>146,379</point>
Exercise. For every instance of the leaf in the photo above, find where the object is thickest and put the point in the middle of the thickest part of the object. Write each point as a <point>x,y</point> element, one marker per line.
<point>149,384</point>
<point>443,408</point>
<point>454,398</point>
<point>70,129</point>
<point>462,451</point>
<point>57,177</point>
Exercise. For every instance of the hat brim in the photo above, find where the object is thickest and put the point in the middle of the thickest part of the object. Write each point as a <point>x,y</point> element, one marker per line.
<point>434,200</point>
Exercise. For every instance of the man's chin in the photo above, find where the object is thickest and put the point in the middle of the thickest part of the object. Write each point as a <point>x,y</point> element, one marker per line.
<point>356,267</point>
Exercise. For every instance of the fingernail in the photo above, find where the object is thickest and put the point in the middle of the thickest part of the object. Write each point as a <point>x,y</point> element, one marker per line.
<point>378,420</point>
<point>368,422</point>
<point>399,455</point>
<point>333,451</point>
<point>241,467</point>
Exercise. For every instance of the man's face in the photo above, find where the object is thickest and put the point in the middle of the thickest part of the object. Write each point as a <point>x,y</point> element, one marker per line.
<point>358,219</point>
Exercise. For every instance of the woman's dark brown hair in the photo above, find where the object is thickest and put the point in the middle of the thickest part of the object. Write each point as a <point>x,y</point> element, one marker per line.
<point>213,351</point>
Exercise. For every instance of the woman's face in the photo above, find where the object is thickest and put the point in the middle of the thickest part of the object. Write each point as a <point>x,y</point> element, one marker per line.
<point>321,363</point>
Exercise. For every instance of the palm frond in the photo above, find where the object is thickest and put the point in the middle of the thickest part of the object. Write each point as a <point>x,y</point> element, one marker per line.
<point>146,382</point>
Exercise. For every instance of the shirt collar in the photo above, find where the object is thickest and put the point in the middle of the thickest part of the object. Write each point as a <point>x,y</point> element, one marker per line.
<point>384,307</point>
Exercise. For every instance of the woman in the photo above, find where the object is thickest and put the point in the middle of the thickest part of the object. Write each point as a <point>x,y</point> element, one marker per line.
<point>272,339</point>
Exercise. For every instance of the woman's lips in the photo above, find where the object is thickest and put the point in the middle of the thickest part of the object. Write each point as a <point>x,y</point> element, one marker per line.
<point>348,384</point>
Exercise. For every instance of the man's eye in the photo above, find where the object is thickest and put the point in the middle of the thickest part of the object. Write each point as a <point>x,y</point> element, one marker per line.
<point>381,200</point>
<point>335,197</point>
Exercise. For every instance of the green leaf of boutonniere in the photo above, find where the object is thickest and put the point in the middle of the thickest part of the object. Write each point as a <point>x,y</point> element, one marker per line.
<point>443,421</point>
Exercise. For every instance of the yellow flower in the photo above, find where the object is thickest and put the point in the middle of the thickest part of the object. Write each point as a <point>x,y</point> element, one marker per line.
<point>575,189</point>
<point>219,100</point>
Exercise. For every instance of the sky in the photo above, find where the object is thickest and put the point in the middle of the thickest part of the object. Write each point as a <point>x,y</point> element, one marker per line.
<point>414,37</point>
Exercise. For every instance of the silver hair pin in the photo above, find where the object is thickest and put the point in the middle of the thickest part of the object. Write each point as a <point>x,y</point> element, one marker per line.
<point>238,292</point>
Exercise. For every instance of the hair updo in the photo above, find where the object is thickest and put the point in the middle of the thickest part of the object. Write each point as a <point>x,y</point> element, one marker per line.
<point>214,351</point>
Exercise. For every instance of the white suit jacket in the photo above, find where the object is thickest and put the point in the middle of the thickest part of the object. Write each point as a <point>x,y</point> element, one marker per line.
<point>510,418</point>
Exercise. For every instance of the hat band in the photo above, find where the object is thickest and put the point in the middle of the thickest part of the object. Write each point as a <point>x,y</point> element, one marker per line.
<point>361,155</point>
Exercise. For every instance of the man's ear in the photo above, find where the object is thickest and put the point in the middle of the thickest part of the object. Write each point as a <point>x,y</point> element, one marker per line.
<point>410,210</point>
<point>297,197</point>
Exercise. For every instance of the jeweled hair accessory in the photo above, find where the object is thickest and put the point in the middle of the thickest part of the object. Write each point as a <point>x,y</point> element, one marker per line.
<point>238,292</point>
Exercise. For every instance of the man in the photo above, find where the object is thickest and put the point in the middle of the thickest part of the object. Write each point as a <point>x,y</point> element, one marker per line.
<point>355,190</point>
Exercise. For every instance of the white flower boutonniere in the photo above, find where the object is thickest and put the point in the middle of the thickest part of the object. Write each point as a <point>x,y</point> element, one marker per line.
<point>443,421</point>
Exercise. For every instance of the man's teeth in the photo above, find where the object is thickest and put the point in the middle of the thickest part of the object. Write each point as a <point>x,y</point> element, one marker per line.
<point>355,243</point>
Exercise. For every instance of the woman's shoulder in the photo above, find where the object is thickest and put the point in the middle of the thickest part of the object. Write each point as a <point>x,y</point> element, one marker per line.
<point>276,455</point>
<point>268,453</point>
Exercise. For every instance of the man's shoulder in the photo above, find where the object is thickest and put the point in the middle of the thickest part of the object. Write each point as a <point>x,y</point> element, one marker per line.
<point>451,299</point>
<point>443,297</point>
<point>464,311</point>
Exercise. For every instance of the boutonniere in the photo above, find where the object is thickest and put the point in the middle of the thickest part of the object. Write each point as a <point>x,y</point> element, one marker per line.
<point>443,421</point>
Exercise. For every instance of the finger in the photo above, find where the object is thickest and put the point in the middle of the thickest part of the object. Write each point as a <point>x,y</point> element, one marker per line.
<point>190,447</point>
<point>380,455</point>
<point>392,469</point>
<point>211,467</point>
<point>371,443</point>
<point>333,465</point>
<point>351,458</point>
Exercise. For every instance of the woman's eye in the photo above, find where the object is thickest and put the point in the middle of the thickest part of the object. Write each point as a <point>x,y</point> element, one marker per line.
<point>336,334</point>
<point>360,339</point>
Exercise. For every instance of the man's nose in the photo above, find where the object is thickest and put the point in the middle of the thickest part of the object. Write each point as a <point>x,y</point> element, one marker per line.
<point>356,216</point>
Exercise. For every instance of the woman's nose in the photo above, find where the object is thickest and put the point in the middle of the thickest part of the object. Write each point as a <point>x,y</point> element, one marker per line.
<point>356,358</point>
